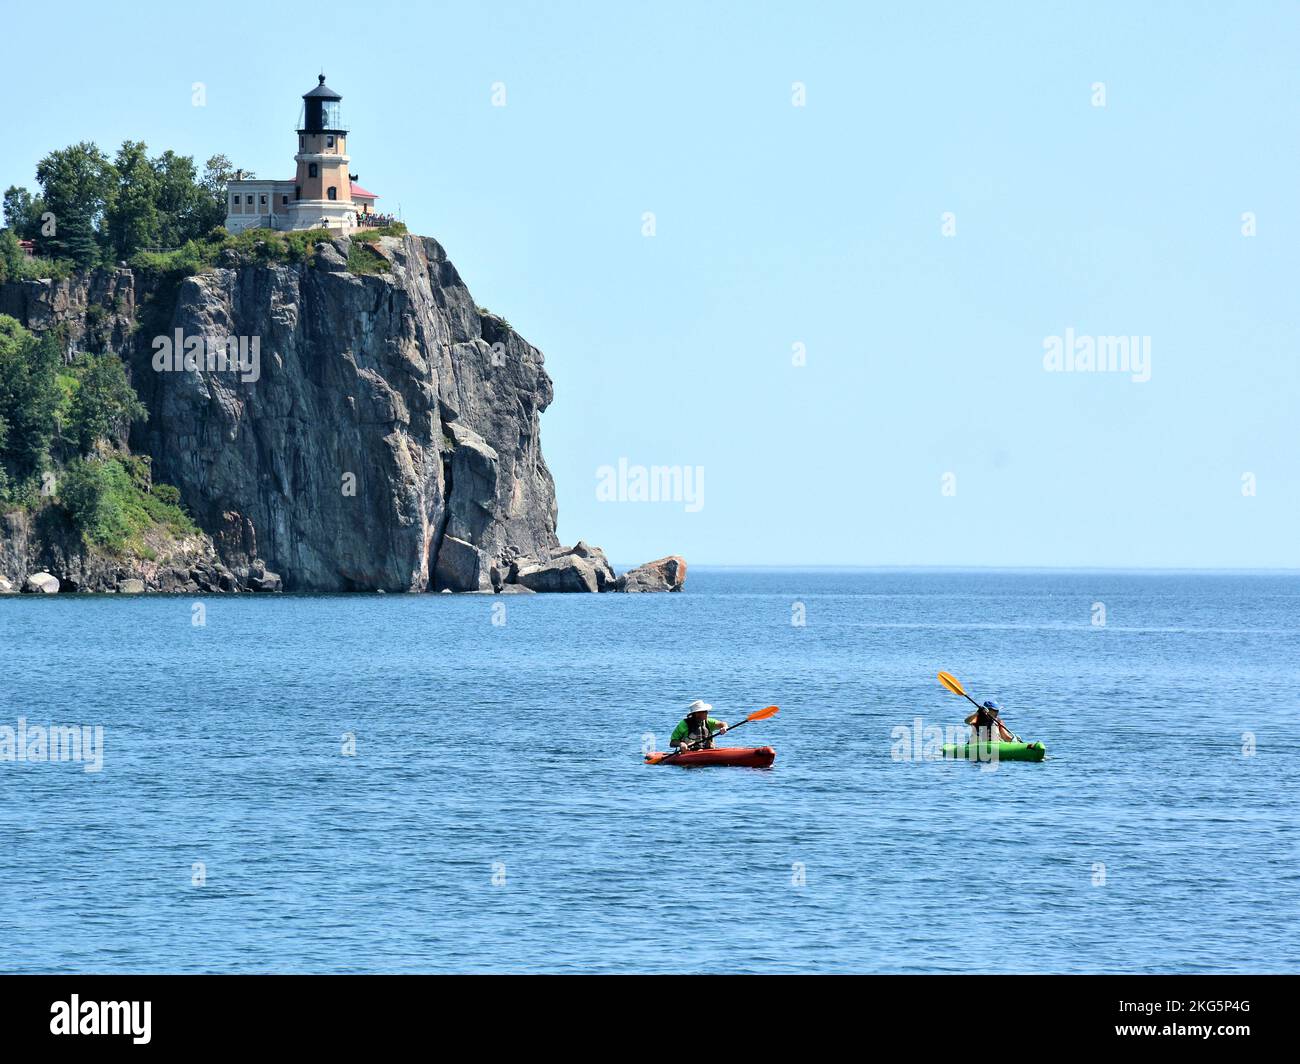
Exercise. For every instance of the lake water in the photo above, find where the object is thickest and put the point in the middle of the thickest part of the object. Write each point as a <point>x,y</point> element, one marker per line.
<point>497,816</point>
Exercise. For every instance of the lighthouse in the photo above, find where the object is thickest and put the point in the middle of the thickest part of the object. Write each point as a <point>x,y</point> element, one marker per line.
<point>322,189</point>
<point>322,194</point>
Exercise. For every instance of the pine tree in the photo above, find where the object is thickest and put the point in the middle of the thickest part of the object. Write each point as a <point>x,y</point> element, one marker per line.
<point>78,184</point>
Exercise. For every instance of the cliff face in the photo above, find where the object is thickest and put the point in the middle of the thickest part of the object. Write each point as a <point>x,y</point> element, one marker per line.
<point>382,434</point>
<point>388,414</point>
<point>96,310</point>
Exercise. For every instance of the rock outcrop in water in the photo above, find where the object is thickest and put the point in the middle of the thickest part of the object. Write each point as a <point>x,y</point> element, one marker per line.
<point>384,434</point>
<point>666,574</point>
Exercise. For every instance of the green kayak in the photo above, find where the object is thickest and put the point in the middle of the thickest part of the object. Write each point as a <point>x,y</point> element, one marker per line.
<point>994,751</point>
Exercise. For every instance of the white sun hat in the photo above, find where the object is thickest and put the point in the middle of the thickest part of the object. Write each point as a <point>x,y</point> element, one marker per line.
<point>698,707</point>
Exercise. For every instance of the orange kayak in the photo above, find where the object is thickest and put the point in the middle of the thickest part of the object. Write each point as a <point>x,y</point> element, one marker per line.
<point>742,756</point>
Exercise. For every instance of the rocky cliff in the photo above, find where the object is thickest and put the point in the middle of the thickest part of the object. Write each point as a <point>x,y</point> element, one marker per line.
<point>380,433</point>
<point>389,415</point>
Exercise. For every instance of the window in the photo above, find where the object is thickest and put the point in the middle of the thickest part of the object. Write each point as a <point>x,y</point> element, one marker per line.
<point>284,200</point>
<point>235,200</point>
<point>332,193</point>
<point>297,192</point>
<point>263,201</point>
<point>311,169</point>
<point>329,142</point>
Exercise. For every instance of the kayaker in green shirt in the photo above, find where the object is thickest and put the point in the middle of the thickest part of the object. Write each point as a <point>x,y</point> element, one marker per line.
<point>697,730</point>
<point>986,727</point>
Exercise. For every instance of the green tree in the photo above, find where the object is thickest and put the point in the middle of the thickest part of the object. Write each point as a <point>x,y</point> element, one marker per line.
<point>104,404</point>
<point>23,212</point>
<point>77,184</point>
<point>217,175</point>
<point>131,220</point>
<point>180,199</point>
<point>11,255</point>
<point>29,397</point>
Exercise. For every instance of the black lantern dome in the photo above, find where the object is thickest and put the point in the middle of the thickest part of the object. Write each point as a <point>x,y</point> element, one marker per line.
<point>322,111</point>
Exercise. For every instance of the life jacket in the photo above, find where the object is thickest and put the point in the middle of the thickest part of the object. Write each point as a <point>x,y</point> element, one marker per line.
<point>701,738</point>
<point>985,727</point>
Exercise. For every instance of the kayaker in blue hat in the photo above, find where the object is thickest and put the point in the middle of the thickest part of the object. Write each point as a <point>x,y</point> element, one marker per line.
<point>697,730</point>
<point>986,727</point>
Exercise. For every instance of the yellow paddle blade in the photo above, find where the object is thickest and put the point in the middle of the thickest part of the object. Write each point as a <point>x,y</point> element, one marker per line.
<point>764,713</point>
<point>952,683</point>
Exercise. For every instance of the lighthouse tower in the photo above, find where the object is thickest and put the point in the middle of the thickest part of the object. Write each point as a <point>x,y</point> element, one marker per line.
<point>322,193</point>
<point>322,188</point>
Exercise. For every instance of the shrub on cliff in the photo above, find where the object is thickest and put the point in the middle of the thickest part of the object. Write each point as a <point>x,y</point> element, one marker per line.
<point>267,246</point>
<point>392,229</point>
<point>252,247</point>
<point>111,502</point>
<point>193,257</point>
<point>86,494</point>
<point>364,259</point>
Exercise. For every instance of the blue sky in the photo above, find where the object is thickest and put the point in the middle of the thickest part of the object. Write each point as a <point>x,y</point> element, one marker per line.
<point>818,225</point>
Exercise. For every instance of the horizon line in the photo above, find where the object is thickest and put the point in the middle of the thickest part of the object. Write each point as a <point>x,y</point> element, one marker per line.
<point>914,567</point>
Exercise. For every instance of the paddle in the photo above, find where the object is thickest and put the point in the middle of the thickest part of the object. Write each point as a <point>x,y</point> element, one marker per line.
<point>954,685</point>
<point>758,714</point>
